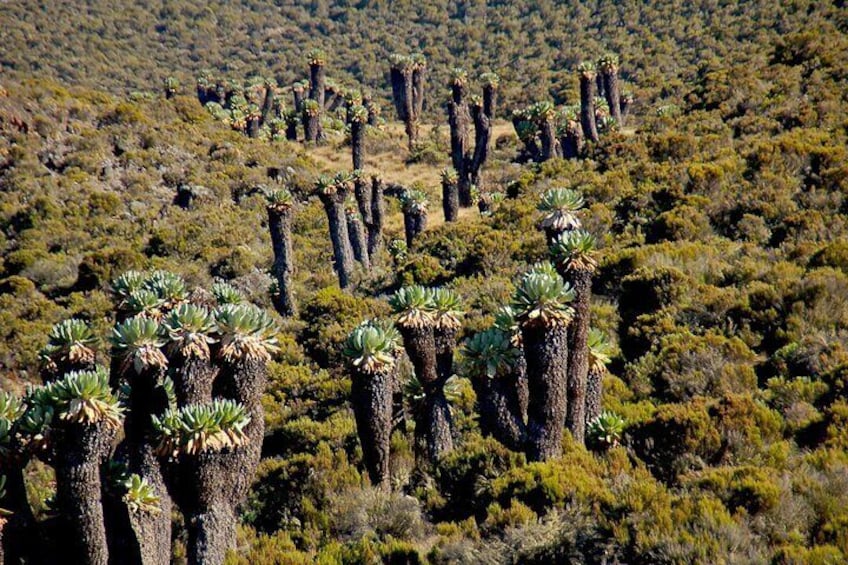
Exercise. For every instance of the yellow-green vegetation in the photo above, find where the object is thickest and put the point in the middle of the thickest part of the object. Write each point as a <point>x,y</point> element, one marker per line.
<point>719,215</point>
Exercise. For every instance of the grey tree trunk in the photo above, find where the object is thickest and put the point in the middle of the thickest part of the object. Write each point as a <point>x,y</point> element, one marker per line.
<point>378,213</point>
<point>414,222</point>
<point>372,407</point>
<point>546,352</point>
<point>500,410</point>
<point>358,239</point>
<point>578,355</point>
<point>357,134</point>
<point>594,395</point>
<point>612,94</point>
<point>279,223</point>
<point>587,108</point>
<point>450,200</point>
<point>342,252</point>
<point>317,85</point>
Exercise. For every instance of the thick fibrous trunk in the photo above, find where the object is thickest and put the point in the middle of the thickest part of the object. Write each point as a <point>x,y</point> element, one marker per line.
<point>212,534</point>
<point>550,146</point>
<point>500,410</point>
<point>193,379</point>
<point>378,212</point>
<point>531,150</point>
<point>279,223</point>
<point>594,395</point>
<point>253,126</point>
<point>342,252</point>
<point>152,531</point>
<point>78,491</point>
<point>433,422</point>
<point>357,134</point>
<point>458,119</point>
<point>611,92</point>
<point>600,85</point>
<point>297,93</point>
<point>546,353</point>
<point>21,535</point>
<point>414,222</point>
<point>372,407</point>
<point>403,95</point>
<point>210,518</point>
<point>587,108</point>
<point>358,239</point>
<point>482,136</point>
<point>291,129</point>
<point>419,79</point>
<point>316,92</point>
<point>572,141</point>
<point>450,199</point>
<point>311,126</point>
<point>578,354</point>
<point>267,105</point>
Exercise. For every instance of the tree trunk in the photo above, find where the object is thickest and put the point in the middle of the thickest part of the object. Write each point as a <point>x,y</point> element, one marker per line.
<point>316,92</point>
<point>357,133</point>
<point>267,105</point>
<point>546,352</point>
<point>378,213</point>
<point>624,108</point>
<point>342,253</point>
<point>587,108</point>
<point>612,94</point>
<point>79,492</point>
<point>572,141</point>
<point>459,120</point>
<point>21,530</point>
<point>600,85</point>
<point>549,141</point>
<point>372,407</point>
<point>211,535</point>
<point>291,129</point>
<point>414,222</point>
<point>578,355</point>
<point>152,532</point>
<point>297,93</point>
<point>279,223</point>
<point>450,200</point>
<point>500,410</point>
<point>419,80</point>
<point>358,239</point>
<point>253,127</point>
<point>594,395</point>
<point>311,126</point>
<point>482,136</point>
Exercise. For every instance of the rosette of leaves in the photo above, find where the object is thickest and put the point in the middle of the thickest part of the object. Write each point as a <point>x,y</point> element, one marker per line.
<point>600,350</point>
<point>144,302</point>
<point>542,111</point>
<point>358,113</point>
<point>608,62</point>
<point>170,288</point>
<point>70,342</point>
<point>398,250</point>
<point>140,496</point>
<point>83,397</point>
<point>542,297</point>
<point>608,123</point>
<point>458,76</point>
<point>587,69</point>
<point>606,430</point>
<point>189,328</point>
<point>126,284</point>
<point>316,56</point>
<point>198,428</point>
<point>447,308</point>
<point>400,61</point>
<point>490,353</point>
<point>560,206</point>
<point>414,201</point>
<point>311,107</point>
<point>414,306</point>
<point>490,79</point>
<point>372,348</point>
<point>574,250</point>
<point>246,333</point>
<point>226,293</point>
<point>449,175</point>
<point>138,341</point>
<point>325,185</point>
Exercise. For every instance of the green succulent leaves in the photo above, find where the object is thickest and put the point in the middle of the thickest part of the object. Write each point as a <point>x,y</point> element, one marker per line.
<point>138,341</point>
<point>414,306</point>
<point>574,250</point>
<point>247,333</point>
<point>83,397</point>
<point>560,206</point>
<point>542,297</point>
<point>490,353</point>
<point>140,496</point>
<point>198,428</point>
<point>372,347</point>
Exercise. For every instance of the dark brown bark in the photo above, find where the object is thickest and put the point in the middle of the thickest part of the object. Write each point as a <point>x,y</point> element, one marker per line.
<point>280,224</point>
<point>531,150</point>
<point>210,516</point>
<point>450,199</point>
<point>372,407</point>
<point>459,120</point>
<point>572,141</point>
<point>193,379</point>
<point>482,137</point>
<point>419,80</point>
<point>599,84</point>
<point>79,492</point>
<point>317,87</point>
<point>378,213</point>
<point>578,354</point>
<point>291,128</point>
<point>21,530</point>
<point>546,353</point>
<point>357,135</point>
<point>253,127</point>
<point>500,410</point>
<point>152,532</point>
<point>611,92</point>
<point>414,222</point>
<point>267,104</point>
<point>212,534</point>
<point>550,146</point>
<point>594,395</point>
<point>297,93</point>
<point>403,96</point>
<point>358,239</point>
<point>311,126</point>
<point>587,108</point>
<point>342,252</point>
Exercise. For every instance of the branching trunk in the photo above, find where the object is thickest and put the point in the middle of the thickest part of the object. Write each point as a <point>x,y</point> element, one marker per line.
<point>482,137</point>
<point>550,146</point>
<point>578,355</point>
<point>280,224</point>
<point>611,93</point>
<point>572,141</point>
<point>78,491</point>
<point>358,239</point>
<point>372,407</point>
<point>587,108</point>
<point>546,352</point>
<point>459,120</point>
<point>500,410</point>
<point>342,252</point>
